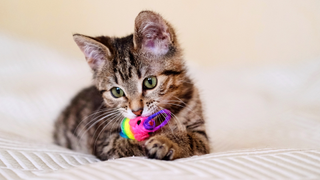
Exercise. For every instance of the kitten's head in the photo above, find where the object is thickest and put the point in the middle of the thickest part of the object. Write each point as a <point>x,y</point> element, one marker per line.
<point>141,73</point>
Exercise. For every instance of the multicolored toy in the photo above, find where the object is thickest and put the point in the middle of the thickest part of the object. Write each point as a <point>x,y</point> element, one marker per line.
<point>140,127</point>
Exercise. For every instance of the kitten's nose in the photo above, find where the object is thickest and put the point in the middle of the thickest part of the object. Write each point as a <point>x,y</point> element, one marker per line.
<point>138,112</point>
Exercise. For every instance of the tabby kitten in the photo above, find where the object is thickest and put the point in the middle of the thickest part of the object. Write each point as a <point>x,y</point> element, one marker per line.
<point>136,75</point>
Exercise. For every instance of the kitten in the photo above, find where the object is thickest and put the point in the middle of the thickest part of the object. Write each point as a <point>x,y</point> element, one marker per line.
<point>136,75</point>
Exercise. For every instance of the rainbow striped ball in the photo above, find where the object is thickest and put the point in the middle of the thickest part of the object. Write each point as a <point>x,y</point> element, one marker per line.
<point>126,129</point>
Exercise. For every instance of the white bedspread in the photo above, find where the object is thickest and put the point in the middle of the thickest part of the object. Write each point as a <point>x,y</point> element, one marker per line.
<point>263,122</point>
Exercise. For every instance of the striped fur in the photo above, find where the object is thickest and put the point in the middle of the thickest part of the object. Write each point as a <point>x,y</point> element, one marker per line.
<point>91,122</point>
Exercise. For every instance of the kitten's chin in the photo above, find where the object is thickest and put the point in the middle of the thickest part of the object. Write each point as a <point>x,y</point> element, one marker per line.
<point>146,114</point>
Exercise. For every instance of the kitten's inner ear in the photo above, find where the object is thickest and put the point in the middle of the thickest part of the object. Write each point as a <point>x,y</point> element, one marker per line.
<point>95,52</point>
<point>152,33</point>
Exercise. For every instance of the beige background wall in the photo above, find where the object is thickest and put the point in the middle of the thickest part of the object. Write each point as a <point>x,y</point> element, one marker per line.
<point>212,32</point>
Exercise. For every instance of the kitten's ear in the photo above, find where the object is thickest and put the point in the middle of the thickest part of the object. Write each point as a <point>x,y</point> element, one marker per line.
<point>95,52</point>
<point>152,33</point>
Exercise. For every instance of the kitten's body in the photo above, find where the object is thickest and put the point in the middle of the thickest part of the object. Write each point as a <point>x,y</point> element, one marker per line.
<point>91,123</point>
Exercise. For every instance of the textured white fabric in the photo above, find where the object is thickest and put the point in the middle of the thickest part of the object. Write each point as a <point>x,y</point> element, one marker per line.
<point>263,122</point>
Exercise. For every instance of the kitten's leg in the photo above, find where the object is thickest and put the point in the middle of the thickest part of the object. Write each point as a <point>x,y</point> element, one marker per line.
<point>116,147</point>
<point>168,146</point>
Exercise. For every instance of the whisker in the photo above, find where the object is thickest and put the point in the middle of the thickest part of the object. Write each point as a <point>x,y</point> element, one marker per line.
<point>103,111</point>
<point>115,123</point>
<point>187,106</point>
<point>94,119</point>
<point>168,123</point>
<point>98,110</point>
<point>108,121</point>
<point>102,118</point>
<point>176,104</point>
<point>115,117</point>
<point>178,122</point>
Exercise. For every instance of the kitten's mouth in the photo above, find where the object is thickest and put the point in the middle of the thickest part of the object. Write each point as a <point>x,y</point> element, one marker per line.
<point>144,115</point>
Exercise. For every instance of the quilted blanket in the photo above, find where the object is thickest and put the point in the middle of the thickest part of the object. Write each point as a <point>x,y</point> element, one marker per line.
<point>263,121</point>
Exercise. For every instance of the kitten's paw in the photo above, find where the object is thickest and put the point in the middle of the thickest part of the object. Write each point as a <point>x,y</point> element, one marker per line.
<point>160,148</point>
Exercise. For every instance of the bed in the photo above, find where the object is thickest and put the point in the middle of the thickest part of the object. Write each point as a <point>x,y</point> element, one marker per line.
<point>263,121</point>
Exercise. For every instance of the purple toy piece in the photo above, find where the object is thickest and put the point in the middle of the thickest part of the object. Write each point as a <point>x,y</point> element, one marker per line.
<point>151,128</point>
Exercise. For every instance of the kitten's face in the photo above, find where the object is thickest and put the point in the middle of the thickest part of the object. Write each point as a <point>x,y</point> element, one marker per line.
<point>142,73</point>
<point>136,91</point>
<point>133,98</point>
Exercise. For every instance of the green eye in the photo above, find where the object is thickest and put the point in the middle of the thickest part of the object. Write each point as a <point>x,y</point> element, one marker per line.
<point>150,82</point>
<point>117,92</point>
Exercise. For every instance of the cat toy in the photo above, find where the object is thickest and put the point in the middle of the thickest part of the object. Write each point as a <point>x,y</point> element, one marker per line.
<point>140,127</point>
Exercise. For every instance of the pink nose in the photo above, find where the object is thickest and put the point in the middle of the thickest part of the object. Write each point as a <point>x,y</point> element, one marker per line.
<point>138,112</point>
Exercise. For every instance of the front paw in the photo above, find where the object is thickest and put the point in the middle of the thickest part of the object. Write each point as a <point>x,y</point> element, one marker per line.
<point>160,148</point>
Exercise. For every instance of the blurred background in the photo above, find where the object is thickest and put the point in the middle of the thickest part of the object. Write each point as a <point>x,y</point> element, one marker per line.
<point>256,63</point>
<point>212,32</point>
